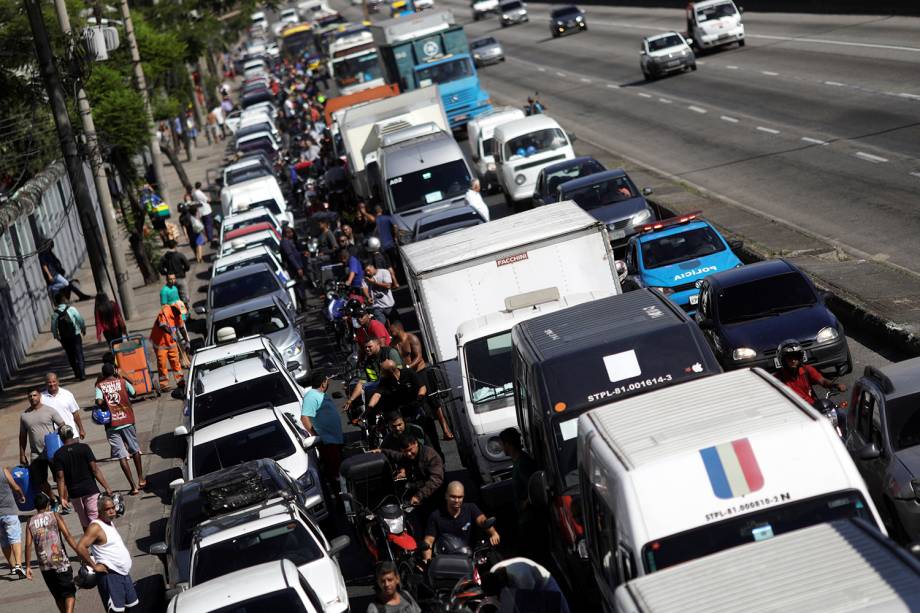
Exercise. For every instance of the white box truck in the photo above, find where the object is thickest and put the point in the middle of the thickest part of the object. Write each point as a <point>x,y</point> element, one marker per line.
<point>539,260</point>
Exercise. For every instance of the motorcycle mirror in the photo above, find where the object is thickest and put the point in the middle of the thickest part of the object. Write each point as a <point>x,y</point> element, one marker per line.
<point>338,545</point>
<point>489,523</point>
<point>424,546</point>
<point>338,395</point>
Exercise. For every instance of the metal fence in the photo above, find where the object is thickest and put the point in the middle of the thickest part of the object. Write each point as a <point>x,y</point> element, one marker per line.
<point>43,209</point>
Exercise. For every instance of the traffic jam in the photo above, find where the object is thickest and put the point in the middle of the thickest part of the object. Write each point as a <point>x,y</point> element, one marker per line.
<point>453,365</point>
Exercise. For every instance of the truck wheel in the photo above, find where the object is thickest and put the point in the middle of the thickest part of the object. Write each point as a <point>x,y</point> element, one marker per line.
<point>693,66</point>
<point>741,43</point>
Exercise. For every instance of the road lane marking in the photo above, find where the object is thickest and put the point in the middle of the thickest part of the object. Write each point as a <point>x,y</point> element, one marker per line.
<point>731,67</point>
<point>644,95</point>
<point>911,96</point>
<point>560,74</point>
<point>825,41</point>
<point>585,80</point>
<point>664,101</point>
<point>613,86</point>
<point>814,141</point>
<point>728,119</point>
<point>767,130</point>
<point>875,159</point>
<point>834,83</point>
<point>915,174</point>
<point>541,69</point>
<point>697,109</point>
<point>769,73</point>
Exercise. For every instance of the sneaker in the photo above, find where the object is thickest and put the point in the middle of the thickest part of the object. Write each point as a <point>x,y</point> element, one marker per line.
<point>19,571</point>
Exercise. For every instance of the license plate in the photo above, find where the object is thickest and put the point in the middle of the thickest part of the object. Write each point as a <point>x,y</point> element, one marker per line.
<point>694,299</point>
<point>617,234</point>
<point>673,63</point>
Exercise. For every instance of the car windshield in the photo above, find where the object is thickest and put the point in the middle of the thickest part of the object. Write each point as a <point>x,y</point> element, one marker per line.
<point>272,388</point>
<point>433,184</point>
<point>264,258</point>
<point>533,143</point>
<point>231,291</point>
<point>283,600</point>
<point>290,540</point>
<point>511,6</point>
<point>361,69</point>
<point>246,174</point>
<point>488,365</point>
<point>257,144</point>
<point>261,321</point>
<point>231,224</point>
<point>482,42</point>
<point>444,72</point>
<point>757,526</point>
<point>765,297</point>
<point>716,11</point>
<point>269,440</point>
<point>903,417</point>
<point>674,248</point>
<point>569,11</point>
<point>582,169</point>
<point>665,42</point>
<point>602,193</point>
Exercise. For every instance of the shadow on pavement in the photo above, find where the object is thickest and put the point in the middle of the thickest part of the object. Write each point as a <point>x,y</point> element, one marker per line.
<point>158,483</point>
<point>156,533</point>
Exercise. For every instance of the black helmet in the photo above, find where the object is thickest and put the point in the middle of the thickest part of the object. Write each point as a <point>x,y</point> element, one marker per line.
<point>86,578</point>
<point>118,499</point>
<point>353,308</point>
<point>450,544</point>
<point>790,349</point>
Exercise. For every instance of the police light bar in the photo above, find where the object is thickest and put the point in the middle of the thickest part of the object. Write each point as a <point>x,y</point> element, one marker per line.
<point>673,221</point>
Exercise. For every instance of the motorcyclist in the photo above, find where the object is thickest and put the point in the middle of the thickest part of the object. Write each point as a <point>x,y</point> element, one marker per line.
<point>420,465</point>
<point>534,106</point>
<point>457,518</point>
<point>376,356</point>
<point>801,377</point>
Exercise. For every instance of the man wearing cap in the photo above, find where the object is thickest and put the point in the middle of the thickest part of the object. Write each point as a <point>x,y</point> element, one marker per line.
<point>168,331</point>
<point>114,393</point>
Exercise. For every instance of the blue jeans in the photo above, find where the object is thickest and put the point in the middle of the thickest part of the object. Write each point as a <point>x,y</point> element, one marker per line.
<point>59,283</point>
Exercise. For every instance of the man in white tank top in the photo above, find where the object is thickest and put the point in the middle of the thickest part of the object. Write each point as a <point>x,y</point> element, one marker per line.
<point>102,549</point>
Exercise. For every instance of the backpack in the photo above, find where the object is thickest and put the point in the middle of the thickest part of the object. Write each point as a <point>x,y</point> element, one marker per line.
<point>66,328</point>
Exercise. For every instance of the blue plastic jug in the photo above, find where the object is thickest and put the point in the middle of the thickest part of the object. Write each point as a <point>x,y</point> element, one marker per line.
<point>53,442</point>
<point>21,477</point>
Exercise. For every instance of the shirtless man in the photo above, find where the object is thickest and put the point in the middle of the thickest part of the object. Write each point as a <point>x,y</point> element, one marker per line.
<point>410,348</point>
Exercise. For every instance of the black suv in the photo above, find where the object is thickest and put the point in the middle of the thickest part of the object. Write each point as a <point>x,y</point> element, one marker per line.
<point>564,20</point>
<point>884,440</point>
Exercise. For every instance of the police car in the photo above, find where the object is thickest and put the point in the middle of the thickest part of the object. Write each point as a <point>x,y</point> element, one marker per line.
<point>673,255</point>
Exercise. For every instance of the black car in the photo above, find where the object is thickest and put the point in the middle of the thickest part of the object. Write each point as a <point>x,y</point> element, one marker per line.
<point>193,503</point>
<point>884,439</point>
<point>564,20</point>
<point>554,175</point>
<point>611,197</point>
<point>747,312</point>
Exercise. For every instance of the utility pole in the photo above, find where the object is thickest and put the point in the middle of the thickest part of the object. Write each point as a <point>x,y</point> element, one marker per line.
<point>141,84</point>
<point>72,160</point>
<point>112,231</point>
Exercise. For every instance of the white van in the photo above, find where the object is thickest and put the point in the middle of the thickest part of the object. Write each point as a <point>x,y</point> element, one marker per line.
<point>480,130</point>
<point>713,23</point>
<point>521,148</point>
<point>262,191</point>
<point>692,469</point>
<point>259,21</point>
<point>799,571</point>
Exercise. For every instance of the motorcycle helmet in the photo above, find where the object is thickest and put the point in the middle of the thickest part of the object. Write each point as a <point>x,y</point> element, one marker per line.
<point>393,516</point>
<point>86,578</point>
<point>354,308</point>
<point>102,416</point>
<point>118,499</point>
<point>372,244</point>
<point>450,544</point>
<point>790,349</point>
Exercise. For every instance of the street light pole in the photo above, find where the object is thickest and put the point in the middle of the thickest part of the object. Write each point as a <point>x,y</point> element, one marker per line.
<point>125,291</point>
<point>72,160</point>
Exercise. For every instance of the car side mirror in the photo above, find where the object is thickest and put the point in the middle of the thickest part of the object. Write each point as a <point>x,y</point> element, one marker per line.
<point>200,310</point>
<point>176,483</point>
<point>642,52</point>
<point>313,501</point>
<point>572,136</point>
<point>338,545</point>
<point>735,245</point>
<point>620,267</point>
<point>647,191</point>
<point>159,549</point>
<point>869,452</point>
<point>309,442</point>
<point>292,366</point>
<point>741,10</point>
<point>291,284</point>
<point>180,431</point>
<point>689,42</point>
<point>538,489</point>
<point>705,324</point>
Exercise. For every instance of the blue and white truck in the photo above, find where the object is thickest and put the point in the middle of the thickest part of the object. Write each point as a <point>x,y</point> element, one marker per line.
<point>430,49</point>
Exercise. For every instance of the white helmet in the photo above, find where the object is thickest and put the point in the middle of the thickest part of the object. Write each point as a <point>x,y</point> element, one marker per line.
<point>225,335</point>
<point>372,244</point>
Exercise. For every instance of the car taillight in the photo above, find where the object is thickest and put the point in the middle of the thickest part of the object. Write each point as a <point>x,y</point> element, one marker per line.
<point>567,509</point>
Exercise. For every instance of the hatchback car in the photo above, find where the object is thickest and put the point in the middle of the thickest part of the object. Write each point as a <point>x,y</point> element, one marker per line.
<point>444,222</point>
<point>567,19</point>
<point>511,12</point>
<point>268,238</point>
<point>265,534</point>
<point>487,51</point>
<point>662,54</point>
<point>747,312</point>
<point>611,197</point>
<point>197,501</point>
<point>884,439</point>
<point>244,284</point>
<point>249,218</point>
<point>550,178</point>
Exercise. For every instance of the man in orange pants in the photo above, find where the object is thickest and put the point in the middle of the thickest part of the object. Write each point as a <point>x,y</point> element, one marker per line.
<point>167,333</point>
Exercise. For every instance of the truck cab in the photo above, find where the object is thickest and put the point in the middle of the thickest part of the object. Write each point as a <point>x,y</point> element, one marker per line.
<point>354,62</point>
<point>479,133</point>
<point>674,254</point>
<point>522,148</point>
<point>714,23</point>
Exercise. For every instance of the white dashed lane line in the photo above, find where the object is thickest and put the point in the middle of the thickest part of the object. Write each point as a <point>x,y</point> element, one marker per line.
<point>915,174</point>
<point>613,86</point>
<point>814,141</point>
<point>728,119</point>
<point>584,80</point>
<point>767,130</point>
<point>731,67</point>
<point>541,69</point>
<point>560,74</point>
<point>769,73</point>
<point>835,83</point>
<point>875,159</point>
<point>644,95</point>
<point>697,109</point>
<point>664,101</point>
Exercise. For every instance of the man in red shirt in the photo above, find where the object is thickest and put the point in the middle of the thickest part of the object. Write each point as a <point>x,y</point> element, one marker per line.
<point>801,378</point>
<point>369,328</point>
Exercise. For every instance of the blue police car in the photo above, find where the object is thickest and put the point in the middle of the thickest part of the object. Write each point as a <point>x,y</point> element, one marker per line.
<point>672,255</point>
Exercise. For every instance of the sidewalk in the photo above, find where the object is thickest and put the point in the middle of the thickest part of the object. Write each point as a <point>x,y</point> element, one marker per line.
<point>147,513</point>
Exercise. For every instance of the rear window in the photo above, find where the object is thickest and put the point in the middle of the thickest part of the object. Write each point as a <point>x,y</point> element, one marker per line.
<point>272,388</point>
<point>242,288</point>
<point>765,297</point>
<point>582,169</point>
<point>261,321</point>
<point>264,258</point>
<point>246,174</point>
<point>569,11</point>
<point>674,248</point>
<point>602,193</point>
<point>283,600</point>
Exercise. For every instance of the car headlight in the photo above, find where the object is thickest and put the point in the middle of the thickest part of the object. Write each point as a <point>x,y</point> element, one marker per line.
<point>667,291</point>
<point>294,350</point>
<point>490,166</point>
<point>305,481</point>
<point>826,335</point>
<point>396,525</point>
<point>743,353</point>
<point>477,56</point>
<point>640,217</point>
<point>519,179</point>
<point>579,18</point>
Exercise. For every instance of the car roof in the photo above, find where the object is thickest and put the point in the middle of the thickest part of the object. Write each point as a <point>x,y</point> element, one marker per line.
<point>238,586</point>
<point>246,163</point>
<point>244,521</point>
<point>245,271</point>
<point>207,381</point>
<point>593,179</point>
<point>751,272</point>
<point>652,37</point>
<point>243,255</point>
<point>902,378</point>
<point>252,213</point>
<point>553,168</point>
<point>234,423</point>
<point>708,3</point>
<point>526,125</point>
<point>253,304</point>
<point>675,229</point>
<point>250,229</point>
<point>246,239</point>
<point>218,353</point>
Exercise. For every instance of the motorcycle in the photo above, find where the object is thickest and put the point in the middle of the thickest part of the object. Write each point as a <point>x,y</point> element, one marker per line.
<point>336,295</point>
<point>453,579</point>
<point>834,412</point>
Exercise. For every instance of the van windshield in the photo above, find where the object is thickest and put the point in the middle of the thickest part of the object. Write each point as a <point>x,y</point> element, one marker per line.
<point>430,185</point>
<point>758,526</point>
<point>489,376</point>
<point>445,72</point>
<point>665,42</point>
<point>716,11</point>
<point>536,142</point>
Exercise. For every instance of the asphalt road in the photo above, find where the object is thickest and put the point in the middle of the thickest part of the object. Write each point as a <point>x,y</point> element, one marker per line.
<point>815,122</point>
